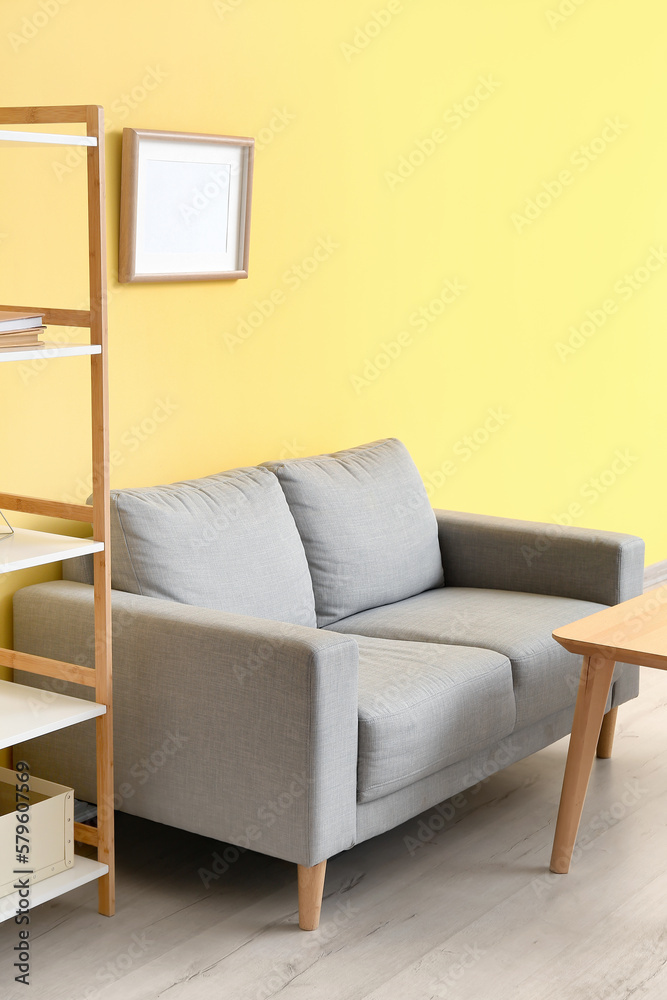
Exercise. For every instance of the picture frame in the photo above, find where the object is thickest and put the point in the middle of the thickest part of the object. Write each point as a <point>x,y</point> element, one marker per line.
<point>184,206</point>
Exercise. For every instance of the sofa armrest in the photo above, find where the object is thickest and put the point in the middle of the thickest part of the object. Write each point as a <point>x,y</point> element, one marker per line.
<point>262,717</point>
<point>502,554</point>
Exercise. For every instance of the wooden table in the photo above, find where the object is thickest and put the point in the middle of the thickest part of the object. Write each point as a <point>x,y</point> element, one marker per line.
<point>632,632</point>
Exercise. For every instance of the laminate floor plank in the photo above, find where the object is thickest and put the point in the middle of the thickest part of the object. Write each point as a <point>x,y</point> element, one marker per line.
<point>469,910</point>
<point>545,926</point>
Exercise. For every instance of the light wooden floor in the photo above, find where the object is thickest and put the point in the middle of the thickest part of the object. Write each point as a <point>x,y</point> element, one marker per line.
<point>473,913</point>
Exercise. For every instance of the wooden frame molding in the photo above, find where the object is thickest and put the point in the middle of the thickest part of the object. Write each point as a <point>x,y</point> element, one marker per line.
<point>129,268</point>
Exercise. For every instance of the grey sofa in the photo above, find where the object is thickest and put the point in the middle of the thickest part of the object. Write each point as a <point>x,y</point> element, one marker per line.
<point>307,655</point>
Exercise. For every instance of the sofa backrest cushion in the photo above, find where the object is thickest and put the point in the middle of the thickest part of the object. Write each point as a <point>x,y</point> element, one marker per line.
<point>367,526</point>
<point>227,541</point>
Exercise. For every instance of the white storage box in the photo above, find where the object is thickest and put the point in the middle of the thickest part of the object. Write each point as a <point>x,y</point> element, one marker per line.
<point>51,834</point>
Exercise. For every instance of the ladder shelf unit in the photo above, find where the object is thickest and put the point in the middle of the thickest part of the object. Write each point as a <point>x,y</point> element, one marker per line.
<point>25,548</point>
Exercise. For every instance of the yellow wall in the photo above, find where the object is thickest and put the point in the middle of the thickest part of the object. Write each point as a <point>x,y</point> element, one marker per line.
<point>405,139</point>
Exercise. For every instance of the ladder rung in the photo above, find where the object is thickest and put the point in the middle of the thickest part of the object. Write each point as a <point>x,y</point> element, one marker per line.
<point>32,664</point>
<point>47,508</point>
<point>85,834</point>
<point>56,317</point>
<point>44,115</point>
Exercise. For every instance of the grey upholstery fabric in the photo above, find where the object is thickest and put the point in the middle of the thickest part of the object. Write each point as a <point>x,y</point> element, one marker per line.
<point>502,554</point>
<point>517,625</point>
<point>423,706</point>
<point>466,777</point>
<point>226,541</point>
<point>232,727</point>
<point>79,570</point>
<point>367,526</point>
<point>176,758</point>
<point>469,775</point>
<point>260,733</point>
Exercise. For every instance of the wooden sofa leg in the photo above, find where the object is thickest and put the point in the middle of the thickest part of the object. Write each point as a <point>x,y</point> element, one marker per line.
<point>311,887</point>
<point>606,740</point>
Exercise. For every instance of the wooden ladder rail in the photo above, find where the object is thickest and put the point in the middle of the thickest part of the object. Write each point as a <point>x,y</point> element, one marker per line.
<point>97,246</point>
<point>96,319</point>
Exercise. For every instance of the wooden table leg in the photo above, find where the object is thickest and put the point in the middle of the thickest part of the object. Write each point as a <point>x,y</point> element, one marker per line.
<point>594,687</point>
<point>606,741</point>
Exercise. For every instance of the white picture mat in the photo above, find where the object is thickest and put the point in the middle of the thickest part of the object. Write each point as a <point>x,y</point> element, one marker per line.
<point>191,200</point>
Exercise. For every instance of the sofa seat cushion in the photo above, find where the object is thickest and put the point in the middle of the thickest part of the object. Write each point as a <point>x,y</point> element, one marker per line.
<point>517,625</point>
<point>226,541</point>
<point>367,525</point>
<point>423,706</point>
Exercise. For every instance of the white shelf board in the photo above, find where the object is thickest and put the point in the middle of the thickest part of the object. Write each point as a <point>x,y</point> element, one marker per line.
<point>47,351</point>
<point>83,870</point>
<point>27,712</point>
<point>50,138</point>
<point>27,548</point>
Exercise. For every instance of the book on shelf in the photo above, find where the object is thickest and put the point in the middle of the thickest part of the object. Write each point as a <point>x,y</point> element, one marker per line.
<point>12,321</point>
<point>6,348</point>
<point>27,338</point>
<point>30,332</point>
